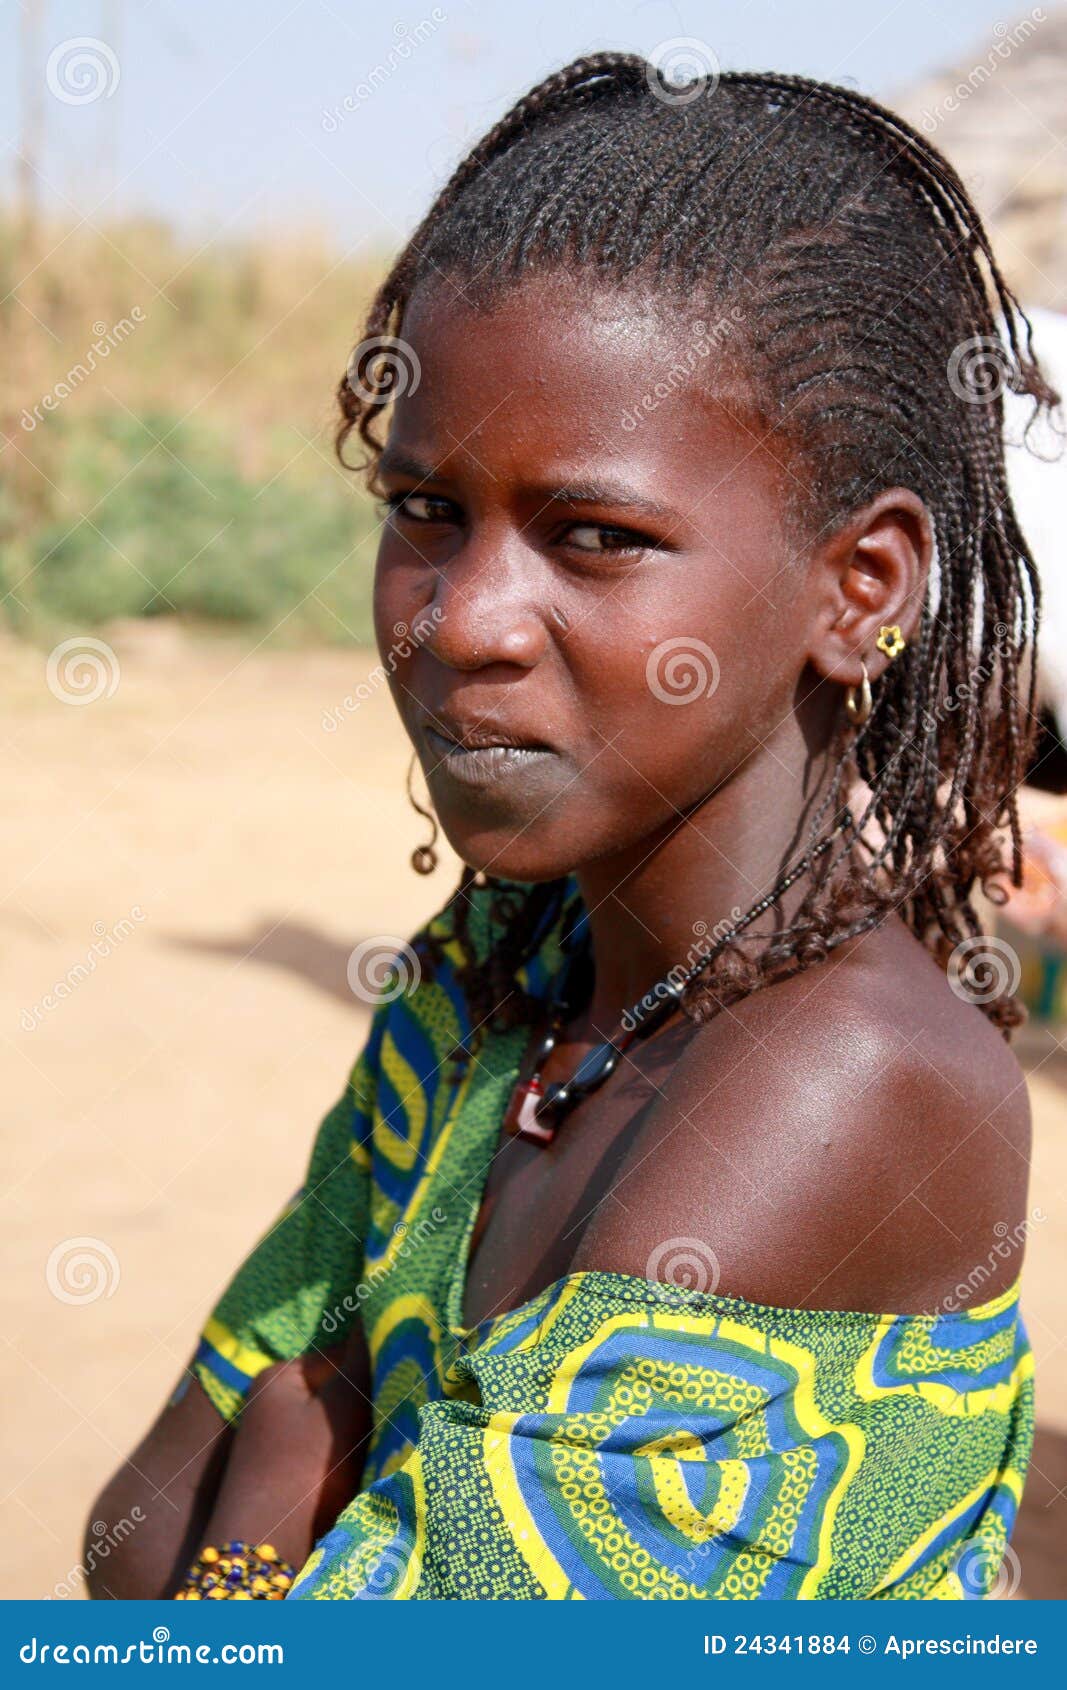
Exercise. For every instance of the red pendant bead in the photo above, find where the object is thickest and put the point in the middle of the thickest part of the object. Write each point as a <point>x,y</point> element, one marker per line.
<point>521,1118</point>
<point>535,1112</point>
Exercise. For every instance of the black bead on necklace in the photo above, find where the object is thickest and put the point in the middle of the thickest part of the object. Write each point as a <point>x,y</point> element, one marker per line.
<point>536,1111</point>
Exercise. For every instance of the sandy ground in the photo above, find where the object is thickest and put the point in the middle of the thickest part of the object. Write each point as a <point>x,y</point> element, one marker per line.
<point>225,853</point>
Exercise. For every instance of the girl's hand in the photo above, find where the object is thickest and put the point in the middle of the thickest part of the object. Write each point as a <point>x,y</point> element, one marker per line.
<point>298,1452</point>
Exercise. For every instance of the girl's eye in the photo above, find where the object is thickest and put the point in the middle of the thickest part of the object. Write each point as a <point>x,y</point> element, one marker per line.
<point>593,538</point>
<point>420,507</point>
<point>599,537</point>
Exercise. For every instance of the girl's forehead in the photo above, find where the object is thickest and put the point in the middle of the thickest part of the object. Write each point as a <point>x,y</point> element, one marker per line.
<point>595,366</point>
<point>575,303</point>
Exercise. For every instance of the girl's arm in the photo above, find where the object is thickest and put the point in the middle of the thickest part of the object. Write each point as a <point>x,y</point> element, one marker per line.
<point>155,1507</point>
<point>298,1456</point>
<point>282,1474</point>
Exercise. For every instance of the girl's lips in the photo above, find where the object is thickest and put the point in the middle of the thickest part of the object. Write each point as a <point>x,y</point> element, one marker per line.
<point>481,765</point>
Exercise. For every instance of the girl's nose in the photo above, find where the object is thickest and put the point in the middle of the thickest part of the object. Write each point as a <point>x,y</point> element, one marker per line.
<point>484,616</point>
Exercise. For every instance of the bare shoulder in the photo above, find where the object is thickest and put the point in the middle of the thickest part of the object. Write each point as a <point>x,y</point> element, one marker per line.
<point>855,1137</point>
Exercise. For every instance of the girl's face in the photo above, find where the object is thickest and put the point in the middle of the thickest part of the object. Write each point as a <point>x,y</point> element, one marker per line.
<point>589,543</point>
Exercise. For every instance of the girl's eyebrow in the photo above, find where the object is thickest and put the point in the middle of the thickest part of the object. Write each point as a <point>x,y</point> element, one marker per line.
<point>393,462</point>
<point>603,493</point>
<point>397,462</point>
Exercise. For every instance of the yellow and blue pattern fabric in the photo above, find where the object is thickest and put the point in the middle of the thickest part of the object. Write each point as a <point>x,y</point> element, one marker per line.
<point>614,1437</point>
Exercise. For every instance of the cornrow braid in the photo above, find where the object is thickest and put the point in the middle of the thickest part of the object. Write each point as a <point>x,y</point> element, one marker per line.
<point>875,333</point>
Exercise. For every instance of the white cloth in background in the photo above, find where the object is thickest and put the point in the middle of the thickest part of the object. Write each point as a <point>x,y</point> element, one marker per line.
<point>1037,478</point>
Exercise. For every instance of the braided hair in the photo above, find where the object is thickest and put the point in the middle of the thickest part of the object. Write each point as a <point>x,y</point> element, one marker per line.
<point>876,334</point>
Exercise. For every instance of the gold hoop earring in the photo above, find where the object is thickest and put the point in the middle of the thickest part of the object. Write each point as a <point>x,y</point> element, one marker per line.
<point>890,640</point>
<point>859,709</point>
<point>424,857</point>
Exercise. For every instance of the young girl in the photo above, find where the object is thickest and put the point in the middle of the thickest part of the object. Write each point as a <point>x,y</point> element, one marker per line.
<point>650,1248</point>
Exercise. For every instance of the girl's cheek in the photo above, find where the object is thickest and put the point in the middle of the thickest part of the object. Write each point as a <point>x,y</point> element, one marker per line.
<point>397,600</point>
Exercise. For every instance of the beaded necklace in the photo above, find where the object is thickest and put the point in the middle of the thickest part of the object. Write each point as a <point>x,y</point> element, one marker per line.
<point>536,1112</point>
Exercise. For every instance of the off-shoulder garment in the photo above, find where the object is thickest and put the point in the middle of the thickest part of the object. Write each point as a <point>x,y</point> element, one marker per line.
<point>613,1437</point>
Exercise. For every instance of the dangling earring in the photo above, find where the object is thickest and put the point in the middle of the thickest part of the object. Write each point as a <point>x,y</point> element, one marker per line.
<point>424,857</point>
<point>859,709</point>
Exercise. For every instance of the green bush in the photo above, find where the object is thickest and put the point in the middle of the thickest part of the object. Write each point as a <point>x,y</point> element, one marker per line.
<point>152,516</point>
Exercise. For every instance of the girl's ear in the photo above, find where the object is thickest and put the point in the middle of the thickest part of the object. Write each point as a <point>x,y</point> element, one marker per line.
<point>871,573</point>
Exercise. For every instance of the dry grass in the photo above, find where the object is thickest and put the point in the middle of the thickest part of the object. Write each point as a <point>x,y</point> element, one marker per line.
<point>189,401</point>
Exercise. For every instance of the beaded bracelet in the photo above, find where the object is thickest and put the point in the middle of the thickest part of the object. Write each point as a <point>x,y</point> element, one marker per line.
<point>238,1571</point>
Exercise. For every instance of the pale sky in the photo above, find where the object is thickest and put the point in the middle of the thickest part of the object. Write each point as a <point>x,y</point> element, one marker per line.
<point>234,116</point>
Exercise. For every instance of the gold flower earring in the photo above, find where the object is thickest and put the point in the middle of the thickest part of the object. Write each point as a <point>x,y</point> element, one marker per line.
<point>891,642</point>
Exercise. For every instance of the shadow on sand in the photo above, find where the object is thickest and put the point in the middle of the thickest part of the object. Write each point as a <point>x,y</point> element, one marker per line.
<point>304,951</point>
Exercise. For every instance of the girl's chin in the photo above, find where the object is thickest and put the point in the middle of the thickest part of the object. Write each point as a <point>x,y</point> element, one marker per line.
<point>499,859</point>
<point>511,827</point>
